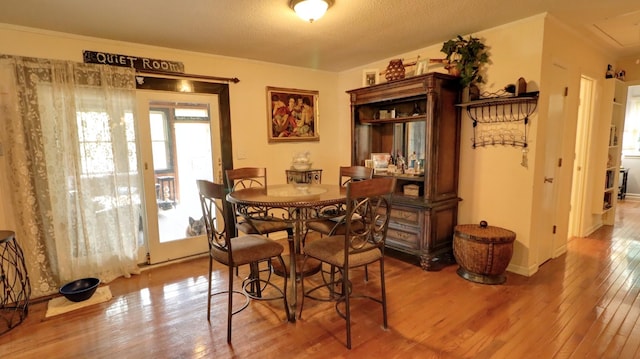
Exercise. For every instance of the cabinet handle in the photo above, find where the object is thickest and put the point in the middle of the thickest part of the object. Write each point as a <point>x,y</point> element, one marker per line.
<point>405,215</point>
<point>402,235</point>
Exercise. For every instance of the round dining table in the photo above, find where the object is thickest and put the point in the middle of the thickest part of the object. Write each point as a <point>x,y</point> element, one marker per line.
<point>292,203</point>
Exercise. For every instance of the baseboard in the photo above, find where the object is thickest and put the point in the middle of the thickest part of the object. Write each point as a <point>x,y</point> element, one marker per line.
<point>634,197</point>
<point>593,229</point>
<point>521,270</point>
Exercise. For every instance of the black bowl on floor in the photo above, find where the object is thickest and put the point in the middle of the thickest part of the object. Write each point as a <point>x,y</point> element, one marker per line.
<point>80,290</point>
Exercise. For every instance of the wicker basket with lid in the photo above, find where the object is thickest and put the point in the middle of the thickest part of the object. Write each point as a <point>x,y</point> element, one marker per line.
<point>483,252</point>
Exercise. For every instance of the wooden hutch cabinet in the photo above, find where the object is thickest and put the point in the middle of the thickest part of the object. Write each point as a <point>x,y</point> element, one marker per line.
<point>417,118</point>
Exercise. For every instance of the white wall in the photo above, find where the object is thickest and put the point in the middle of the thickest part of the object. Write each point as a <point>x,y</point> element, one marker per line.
<point>631,65</point>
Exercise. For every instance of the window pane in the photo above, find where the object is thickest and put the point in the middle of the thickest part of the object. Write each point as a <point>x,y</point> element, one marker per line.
<point>631,135</point>
<point>159,156</point>
<point>192,113</point>
<point>158,129</point>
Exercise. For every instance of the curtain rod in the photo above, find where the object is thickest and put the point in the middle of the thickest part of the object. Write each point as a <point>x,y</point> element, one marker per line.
<point>235,80</point>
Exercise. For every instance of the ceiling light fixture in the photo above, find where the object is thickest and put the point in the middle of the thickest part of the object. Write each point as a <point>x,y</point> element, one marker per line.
<point>310,10</point>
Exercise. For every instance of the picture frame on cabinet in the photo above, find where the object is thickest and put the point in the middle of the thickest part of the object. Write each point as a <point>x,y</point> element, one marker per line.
<point>292,115</point>
<point>370,77</point>
<point>422,67</point>
<point>380,161</point>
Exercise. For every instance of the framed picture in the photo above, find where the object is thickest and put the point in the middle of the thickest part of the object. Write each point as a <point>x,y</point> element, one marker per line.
<point>292,115</point>
<point>380,161</point>
<point>370,77</point>
<point>422,67</point>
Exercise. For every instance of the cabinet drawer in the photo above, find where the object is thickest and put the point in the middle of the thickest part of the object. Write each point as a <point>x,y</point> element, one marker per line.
<point>406,215</point>
<point>402,238</point>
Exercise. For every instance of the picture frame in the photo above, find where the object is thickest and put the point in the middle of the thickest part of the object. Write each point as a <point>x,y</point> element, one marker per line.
<point>370,77</point>
<point>422,67</point>
<point>380,161</point>
<point>292,115</point>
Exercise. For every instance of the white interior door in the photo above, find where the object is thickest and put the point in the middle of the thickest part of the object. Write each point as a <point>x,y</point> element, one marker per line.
<point>578,189</point>
<point>180,143</point>
<point>553,152</point>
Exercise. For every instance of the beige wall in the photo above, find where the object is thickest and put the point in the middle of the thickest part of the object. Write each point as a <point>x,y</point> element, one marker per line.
<point>493,184</point>
<point>248,97</point>
<point>562,47</point>
<point>631,66</point>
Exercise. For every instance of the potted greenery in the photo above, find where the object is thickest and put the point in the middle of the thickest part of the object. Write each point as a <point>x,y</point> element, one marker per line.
<point>464,59</point>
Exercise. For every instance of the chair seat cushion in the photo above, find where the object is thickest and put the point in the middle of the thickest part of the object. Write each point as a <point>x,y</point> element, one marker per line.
<point>326,226</point>
<point>248,249</point>
<point>263,227</point>
<point>331,250</point>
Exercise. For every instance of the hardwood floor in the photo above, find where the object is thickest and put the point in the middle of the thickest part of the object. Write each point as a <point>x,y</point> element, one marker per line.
<point>581,305</point>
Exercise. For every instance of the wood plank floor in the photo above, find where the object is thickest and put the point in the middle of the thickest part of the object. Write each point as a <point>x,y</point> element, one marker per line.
<point>584,304</point>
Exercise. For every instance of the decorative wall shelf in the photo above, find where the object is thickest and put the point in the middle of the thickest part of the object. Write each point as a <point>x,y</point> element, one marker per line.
<point>501,120</point>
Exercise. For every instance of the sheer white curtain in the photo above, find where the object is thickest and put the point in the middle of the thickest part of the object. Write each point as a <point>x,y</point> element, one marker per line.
<point>76,186</point>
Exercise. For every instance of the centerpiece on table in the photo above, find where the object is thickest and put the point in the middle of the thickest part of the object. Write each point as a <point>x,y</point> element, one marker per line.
<point>301,161</point>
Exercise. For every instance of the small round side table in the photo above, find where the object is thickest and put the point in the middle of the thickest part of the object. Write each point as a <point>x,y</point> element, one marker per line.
<point>15,288</point>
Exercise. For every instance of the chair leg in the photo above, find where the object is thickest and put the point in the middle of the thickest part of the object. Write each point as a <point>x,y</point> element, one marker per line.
<point>230,305</point>
<point>384,294</point>
<point>347,295</point>
<point>209,292</point>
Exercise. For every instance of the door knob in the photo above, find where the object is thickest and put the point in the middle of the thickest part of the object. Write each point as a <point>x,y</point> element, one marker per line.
<point>548,180</point>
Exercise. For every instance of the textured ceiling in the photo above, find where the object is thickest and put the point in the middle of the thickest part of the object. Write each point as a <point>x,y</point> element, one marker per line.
<point>352,33</point>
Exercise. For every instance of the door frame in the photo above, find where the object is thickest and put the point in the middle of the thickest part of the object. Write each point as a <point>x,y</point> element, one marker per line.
<point>221,90</point>
<point>579,193</point>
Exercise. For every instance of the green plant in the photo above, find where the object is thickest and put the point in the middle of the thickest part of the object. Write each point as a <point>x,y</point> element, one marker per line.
<point>467,55</point>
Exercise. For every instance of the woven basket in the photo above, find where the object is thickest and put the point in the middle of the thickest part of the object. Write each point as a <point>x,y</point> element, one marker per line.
<point>483,252</point>
<point>394,71</point>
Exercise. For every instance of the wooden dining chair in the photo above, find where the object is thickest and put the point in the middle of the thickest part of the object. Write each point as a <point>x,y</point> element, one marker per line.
<point>234,251</point>
<point>362,243</point>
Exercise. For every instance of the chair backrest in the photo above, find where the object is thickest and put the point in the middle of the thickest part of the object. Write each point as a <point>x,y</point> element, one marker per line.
<point>354,173</point>
<point>214,212</point>
<point>368,214</point>
<point>246,177</point>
